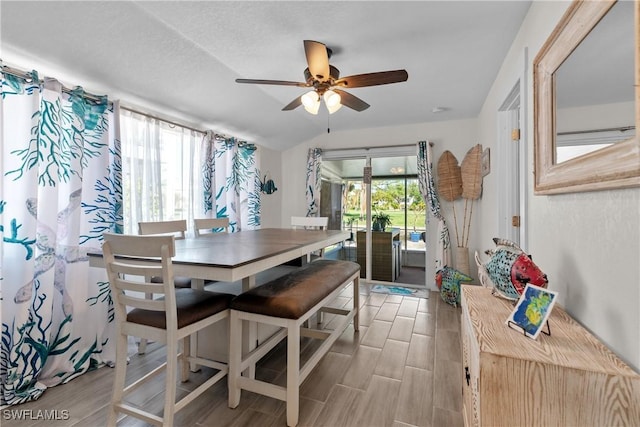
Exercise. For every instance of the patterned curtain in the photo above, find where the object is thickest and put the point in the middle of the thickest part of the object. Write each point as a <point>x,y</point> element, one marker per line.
<point>313,184</point>
<point>231,181</point>
<point>428,190</point>
<point>60,189</point>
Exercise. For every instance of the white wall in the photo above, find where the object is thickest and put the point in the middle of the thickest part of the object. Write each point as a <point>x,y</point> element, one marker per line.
<point>270,163</point>
<point>587,243</point>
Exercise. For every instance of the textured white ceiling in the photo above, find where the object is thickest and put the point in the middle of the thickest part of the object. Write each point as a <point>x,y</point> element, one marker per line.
<point>182,57</point>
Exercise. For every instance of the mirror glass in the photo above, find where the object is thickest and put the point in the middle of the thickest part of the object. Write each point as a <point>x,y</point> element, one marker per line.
<point>595,87</point>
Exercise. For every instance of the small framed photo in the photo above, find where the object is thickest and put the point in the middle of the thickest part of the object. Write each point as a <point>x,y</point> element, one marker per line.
<point>486,162</point>
<point>532,310</point>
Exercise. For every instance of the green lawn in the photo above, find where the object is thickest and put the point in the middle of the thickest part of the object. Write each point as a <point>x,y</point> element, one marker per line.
<point>397,218</point>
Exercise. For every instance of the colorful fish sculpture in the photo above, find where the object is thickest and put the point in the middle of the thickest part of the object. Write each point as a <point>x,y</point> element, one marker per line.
<point>508,270</point>
<point>448,281</point>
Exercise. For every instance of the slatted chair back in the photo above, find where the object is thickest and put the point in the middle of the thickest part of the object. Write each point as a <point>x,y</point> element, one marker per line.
<point>310,223</point>
<point>128,277</point>
<point>176,228</point>
<point>208,225</point>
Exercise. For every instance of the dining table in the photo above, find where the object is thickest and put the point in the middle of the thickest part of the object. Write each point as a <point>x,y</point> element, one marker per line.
<point>239,256</point>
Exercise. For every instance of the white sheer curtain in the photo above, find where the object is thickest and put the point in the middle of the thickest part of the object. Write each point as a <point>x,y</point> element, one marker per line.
<point>161,171</point>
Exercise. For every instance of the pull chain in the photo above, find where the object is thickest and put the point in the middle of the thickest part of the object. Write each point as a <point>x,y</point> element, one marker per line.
<point>328,127</point>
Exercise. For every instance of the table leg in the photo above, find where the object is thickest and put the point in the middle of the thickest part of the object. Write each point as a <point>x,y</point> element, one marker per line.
<point>251,340</point>
<point>195,284</point>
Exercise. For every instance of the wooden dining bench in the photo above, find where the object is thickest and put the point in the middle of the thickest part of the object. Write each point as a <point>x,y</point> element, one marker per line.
<point>288,302</point>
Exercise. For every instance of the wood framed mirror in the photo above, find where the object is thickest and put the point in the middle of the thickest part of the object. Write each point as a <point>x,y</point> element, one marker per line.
<point>614,163</point>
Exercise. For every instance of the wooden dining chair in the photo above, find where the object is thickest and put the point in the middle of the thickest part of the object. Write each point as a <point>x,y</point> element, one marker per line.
<point>210,225</point>
<point>177,228</point>
<point>171,319</point>
<point>310,223</point>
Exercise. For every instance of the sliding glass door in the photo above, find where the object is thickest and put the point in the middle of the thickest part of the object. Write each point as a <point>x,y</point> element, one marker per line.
<point>398,250</point>
<point>343,201</point>
<point>394,253</point>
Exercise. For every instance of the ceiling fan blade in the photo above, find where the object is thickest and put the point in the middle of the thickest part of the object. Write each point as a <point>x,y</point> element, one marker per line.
<point>317,59</point>
<point>373,79</point>
<point>293,104</point>
<point>272,82</point>
<point>351,101</point>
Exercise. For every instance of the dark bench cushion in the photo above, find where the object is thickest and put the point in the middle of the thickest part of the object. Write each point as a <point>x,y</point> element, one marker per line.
<point>193,305</point>
<point>292,295</point>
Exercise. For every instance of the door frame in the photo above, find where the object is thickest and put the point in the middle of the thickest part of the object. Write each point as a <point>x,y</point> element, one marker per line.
<point>513,161</point>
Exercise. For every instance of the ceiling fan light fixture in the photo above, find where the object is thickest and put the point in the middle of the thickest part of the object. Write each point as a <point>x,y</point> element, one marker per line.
<point>311,101</point>
<point>332,101</point>
<point>334,108</point>
<point>322,76</point>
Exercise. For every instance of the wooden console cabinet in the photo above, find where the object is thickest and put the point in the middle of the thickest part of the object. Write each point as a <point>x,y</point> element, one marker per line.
<point>566,379</point>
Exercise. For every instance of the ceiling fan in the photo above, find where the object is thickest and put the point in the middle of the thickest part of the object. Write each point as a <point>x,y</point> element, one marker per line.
<point>325,80</point>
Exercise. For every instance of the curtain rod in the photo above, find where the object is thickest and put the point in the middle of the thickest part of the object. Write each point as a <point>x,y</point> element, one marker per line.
<point>172,123</point>
<point>619,129</point>
<point>26,75</point>
<point>217,135</point>
<point>377,146</point>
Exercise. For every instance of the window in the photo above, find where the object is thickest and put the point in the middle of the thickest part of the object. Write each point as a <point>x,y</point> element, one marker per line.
<point>164,169</point>
<point>161,172</point>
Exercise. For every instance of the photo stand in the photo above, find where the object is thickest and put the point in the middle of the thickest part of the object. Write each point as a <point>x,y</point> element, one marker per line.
<point>514,325</point>
<point>531,313</point>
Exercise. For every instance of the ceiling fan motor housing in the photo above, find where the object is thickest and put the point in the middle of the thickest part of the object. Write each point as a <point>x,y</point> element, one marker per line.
<point>316,82</point>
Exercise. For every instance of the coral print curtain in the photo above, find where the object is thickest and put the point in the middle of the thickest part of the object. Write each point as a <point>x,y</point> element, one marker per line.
<point>314,163</point>
<point>427,187</point>
<point>59,191</point>
<point>231,181</point>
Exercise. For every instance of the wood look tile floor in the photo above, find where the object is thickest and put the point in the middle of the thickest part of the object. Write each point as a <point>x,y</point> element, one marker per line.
<point>403,368</point>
